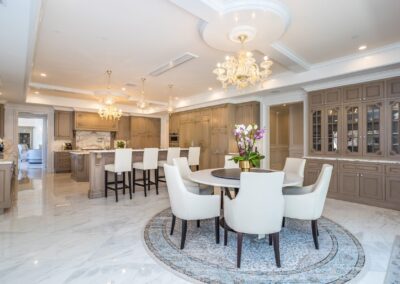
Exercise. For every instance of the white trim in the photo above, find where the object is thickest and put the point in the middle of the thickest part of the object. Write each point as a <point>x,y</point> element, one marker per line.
<point>283,49</point>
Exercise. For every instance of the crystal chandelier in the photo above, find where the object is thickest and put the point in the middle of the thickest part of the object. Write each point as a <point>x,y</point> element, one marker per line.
<point>142,104</point>
<point>243,70</point>
<point>108,110</point>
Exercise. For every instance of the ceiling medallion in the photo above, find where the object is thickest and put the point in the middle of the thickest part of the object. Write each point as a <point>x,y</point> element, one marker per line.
<point>109,110</point>
<point>243,70</point>
<point>142,104</point>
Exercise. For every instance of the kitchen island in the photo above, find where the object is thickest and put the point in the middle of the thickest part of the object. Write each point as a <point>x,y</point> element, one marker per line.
<point>6,183</point>
<point>99,158</point>
<point>80,165</point>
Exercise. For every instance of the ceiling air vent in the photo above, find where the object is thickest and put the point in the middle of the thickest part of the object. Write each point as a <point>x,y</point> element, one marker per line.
<point>173,63</point>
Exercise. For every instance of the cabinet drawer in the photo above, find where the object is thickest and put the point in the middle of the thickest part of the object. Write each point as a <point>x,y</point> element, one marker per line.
<point>314,164</point>
<point>348,166</point>
<point>370,168</point>
<point>393,170</point>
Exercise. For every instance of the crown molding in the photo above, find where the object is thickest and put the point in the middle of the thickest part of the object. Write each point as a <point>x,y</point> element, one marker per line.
<point>283,49</point>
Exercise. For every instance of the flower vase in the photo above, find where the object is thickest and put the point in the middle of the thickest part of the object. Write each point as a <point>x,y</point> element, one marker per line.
<point>244,166</point>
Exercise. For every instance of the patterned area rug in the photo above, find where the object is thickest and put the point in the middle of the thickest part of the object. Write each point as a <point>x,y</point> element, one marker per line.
<point>339,259</point>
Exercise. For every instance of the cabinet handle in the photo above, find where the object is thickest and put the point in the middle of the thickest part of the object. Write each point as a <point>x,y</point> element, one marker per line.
<point>361,175</point>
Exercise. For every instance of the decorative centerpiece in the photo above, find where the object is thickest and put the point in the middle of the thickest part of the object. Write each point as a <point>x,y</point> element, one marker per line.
<point>245,140</point>
<point>120,144</point>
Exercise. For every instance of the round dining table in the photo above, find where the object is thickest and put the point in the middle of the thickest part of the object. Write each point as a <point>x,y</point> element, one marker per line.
<point>231,177</point>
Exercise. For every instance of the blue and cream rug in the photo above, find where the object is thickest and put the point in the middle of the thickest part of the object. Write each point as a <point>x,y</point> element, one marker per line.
<point>339,259</point>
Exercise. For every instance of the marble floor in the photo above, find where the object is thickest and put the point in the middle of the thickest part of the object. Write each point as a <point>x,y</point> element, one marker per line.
<point>55,234</point>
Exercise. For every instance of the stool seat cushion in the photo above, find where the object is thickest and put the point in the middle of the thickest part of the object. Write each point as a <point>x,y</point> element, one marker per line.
<point>162,162</point>
<point>110,168</point>
<point>138,165</point>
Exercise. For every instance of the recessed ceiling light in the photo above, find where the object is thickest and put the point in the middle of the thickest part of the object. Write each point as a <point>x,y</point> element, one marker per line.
<point>362,47</point>
<point>123,89</point>
<point>36,92</point>
<point>236,19</point>
<point>210,89</point>
<point>284,105</point>
<point>253,15</point>
<point>1,93</point>
<point>176,98</point>
<point>43,75</point>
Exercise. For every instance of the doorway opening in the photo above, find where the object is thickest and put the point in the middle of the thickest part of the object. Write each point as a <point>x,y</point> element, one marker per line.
<point>286,133</point>
<point>32,142</point>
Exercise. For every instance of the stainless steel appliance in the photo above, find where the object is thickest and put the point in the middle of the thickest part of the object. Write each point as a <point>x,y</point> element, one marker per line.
<point>174,139</point>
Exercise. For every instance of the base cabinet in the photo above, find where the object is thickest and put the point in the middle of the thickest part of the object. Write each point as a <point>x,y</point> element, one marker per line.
<point>370,183</point>
<point>62,162</point>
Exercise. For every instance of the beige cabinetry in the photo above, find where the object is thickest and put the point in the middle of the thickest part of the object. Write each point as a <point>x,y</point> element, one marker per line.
<point>92,121</point>
<point>174,120</point>
<point>124,129</point>
<point>80,167</point>
<point>63,124</point>
<point>6,180</point>
<point>393,131</point>
<point>144,132</point>
<point>392,185</point>
<point>393,88</point>
<point>313,169</point>
<point>62,162</point>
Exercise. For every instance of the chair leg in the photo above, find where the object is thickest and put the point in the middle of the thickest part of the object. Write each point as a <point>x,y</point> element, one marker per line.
<point>116,186</point>
<point>314,228</point>
<point>222,198</point>
<point>275,238</point>
<point>198,223</point>
<point>197,167</point>
<point>134,179</point>
<point>173,224</point>
<point>130,184</point>
<point>225,236</point>
<point>148,180</point>
<point>283,222</point>
<point>123,181</point>
<point>105,183</point>
<point>239,248</point>
<point>184,229</point>
<point>156,179</point>
<point>144,182</point>
<point>270,239</point>
<point>217,229</point>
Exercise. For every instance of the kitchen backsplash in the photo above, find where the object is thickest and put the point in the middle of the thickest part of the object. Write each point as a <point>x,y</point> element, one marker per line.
<point>92,140</point>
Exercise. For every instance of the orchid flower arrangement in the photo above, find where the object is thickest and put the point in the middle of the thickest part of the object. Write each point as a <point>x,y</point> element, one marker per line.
<point>245,140</point>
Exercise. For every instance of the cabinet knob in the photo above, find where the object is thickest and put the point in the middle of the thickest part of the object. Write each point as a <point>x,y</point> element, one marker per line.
<point>361,175</point>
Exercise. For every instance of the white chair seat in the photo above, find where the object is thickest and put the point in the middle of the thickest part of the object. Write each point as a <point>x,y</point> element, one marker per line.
<point>110,168</point>
<point>161,163</point>
<point>138,165</point>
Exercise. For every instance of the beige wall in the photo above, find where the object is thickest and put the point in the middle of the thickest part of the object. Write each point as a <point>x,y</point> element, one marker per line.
<point>279,132</point>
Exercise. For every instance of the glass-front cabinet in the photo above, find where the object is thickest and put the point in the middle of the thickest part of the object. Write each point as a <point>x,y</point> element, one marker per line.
<point>316,119</point>
<point>333,130</point>
<point>394,128</point>
<point>352,127</point>
<point>373,118</point>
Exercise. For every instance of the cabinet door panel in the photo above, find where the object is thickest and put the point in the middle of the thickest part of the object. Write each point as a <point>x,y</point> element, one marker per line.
<point>349,184</point>
<point>371,186</point>
<point>393,114</point>
<point>393,88</point>
<point>352,93</point>
<point>332,130</point>
<point>352,138</point>
<point>373,90</point>
<point>333,185</point>
<point>63,125</point>
<point>316,98</point>
<point>373,118</point>
<point>316,131</point>
<point>333,96</point>
<point>392,191</point>
<point>311,175</point>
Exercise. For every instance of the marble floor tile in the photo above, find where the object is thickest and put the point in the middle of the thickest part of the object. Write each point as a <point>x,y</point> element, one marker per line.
<point>55,234</point>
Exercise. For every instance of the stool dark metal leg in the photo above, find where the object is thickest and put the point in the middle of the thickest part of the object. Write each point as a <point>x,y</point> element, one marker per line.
<point>156,179</point>
<point>134,180</point>
<point>105,183</point>
<point>144,183</point>
<point>130,184</point>
<point>116,186</point>
<point>123,181</point>
<point>149,179</point>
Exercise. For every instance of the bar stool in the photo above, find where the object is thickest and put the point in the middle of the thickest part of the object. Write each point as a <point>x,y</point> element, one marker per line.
<point>194,157</point>
<point>172,153</point>
<point>122,164</point>
<point>150,159</point>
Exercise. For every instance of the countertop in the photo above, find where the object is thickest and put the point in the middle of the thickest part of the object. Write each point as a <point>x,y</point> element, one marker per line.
<point>133,150</point>
<point>353,160</point>
<point>6,162</point>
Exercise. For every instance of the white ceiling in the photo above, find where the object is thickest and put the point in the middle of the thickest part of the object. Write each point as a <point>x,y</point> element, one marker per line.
<point>78,40</point>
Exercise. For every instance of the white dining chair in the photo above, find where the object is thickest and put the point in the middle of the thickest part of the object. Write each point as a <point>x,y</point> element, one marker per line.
<point>122,165</point>
<point>307,203</point>
<point>194,157</point>
<point>257,209</point>
<point>185,171</point>
<point>150,162</point>
<point>229,163</point>
<point>188,206</point>
<point>294,169</point>
<point>172,153</point>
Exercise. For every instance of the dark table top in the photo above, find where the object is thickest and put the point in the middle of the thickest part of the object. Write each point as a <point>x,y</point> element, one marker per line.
<point>234,173</point>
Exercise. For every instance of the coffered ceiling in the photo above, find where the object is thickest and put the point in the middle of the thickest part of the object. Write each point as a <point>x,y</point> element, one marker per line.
<point>78,40</point>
